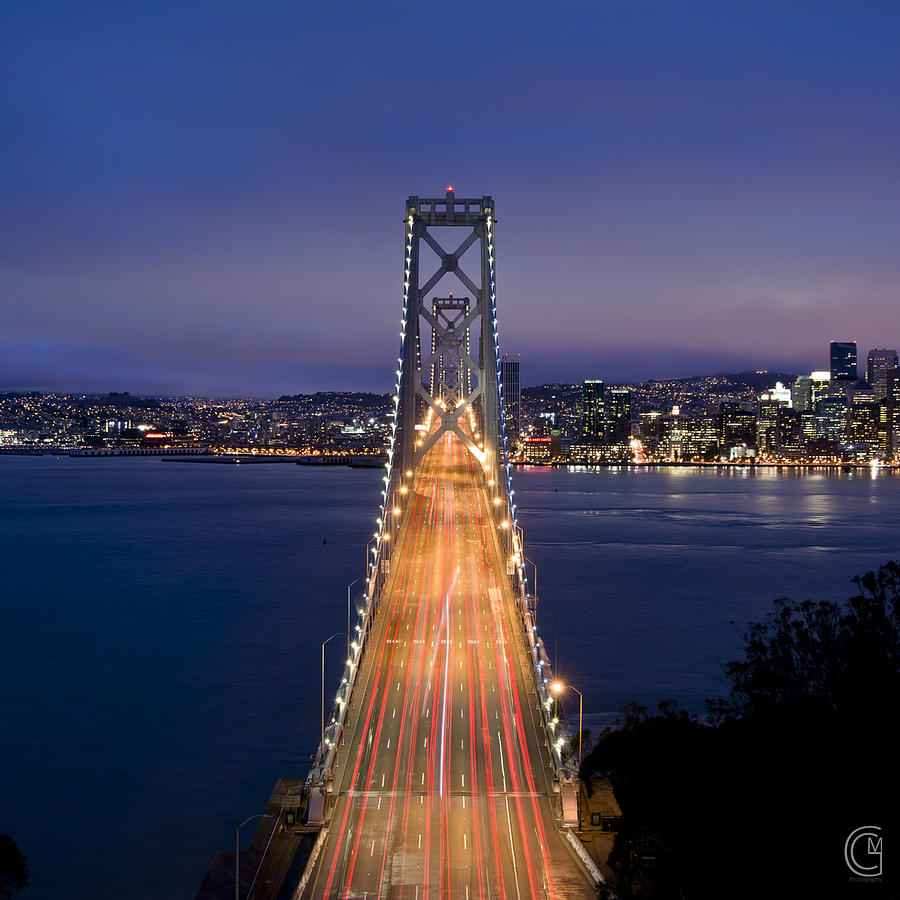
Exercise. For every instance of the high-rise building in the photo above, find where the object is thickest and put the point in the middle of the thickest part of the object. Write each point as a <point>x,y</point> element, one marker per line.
<point>878,364</point>
<point>801,393</point>
<point>843,361</point>
<point>862,418</point>
<point>779,393</point>
<point>594,410</point>
<point>807,389</point>
<point>893,410</point>
<point>831,419</point>
<point>819,383</point>
<point>511,379</point>
<point>618,415</point>
<point>700,437</point>
<point>737,426</point>
<point>768,433</point>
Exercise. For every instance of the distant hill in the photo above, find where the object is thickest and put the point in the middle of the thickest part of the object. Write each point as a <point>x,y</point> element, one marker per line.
<point>695,394</point>
<point>357,398</point>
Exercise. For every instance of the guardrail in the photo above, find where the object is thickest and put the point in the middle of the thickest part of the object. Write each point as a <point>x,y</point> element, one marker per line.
<point>553,717</point>
<point>556,728</point>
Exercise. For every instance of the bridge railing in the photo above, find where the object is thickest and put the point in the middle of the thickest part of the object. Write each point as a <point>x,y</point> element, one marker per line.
<point>377,568</point>
<point>555,723</point>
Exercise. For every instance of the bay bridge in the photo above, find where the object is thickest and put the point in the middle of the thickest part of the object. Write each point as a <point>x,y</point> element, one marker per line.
<point>440,771</point>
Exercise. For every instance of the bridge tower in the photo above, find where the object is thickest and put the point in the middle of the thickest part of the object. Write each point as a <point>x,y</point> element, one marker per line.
<point>463,334</point>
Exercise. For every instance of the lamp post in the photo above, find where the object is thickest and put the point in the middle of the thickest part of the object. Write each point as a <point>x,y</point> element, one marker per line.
<point>348,611</point>
<point>534,566</point>
<point>558,688</point>
<point>237,850</point>
<point>336,634</point>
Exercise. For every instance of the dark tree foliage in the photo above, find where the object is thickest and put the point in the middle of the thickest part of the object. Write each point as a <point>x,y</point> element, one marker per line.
<point>758,800</point>
<point>13,871</point>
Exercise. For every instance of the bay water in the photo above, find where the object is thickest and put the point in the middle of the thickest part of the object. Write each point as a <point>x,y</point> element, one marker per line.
<point>161,626</point>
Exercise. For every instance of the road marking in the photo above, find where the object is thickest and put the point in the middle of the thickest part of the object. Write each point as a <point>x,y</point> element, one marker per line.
<point>388,747</point>
<point>466,847</point>
<point>502,767</point>
<point>512,848</point>
<point>419,848</point>
<point>462,745</point>
<point>394,713</point>
<point>462,780</point>
<point>372,851</point>
<point>425,745</point>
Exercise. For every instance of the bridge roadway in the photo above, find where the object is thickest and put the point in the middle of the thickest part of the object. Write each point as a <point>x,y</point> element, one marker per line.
<point>446,788</point>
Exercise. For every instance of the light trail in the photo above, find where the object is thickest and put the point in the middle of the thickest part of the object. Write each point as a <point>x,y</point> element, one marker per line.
<point>449,807</point>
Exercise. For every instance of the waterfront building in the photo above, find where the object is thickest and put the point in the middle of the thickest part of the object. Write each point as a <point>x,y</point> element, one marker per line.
<point>863,418</point>
<point>771,401</point>
<point>672,428</point>
<point>737,426</point>
<point>700,437</point>
<point>843,361</point>
<point>536,449</point>
<point>594,412</point>
<point>618,415</point>
<point>511,386</point>
<point>892,409</point>
<point>878,364</point>
<point>649,425</point>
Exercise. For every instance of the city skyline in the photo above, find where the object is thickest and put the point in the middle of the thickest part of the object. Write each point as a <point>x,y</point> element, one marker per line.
<point>204,200</point>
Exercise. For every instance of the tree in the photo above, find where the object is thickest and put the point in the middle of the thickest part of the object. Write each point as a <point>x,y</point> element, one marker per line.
<point>13,870</point>
<point>758,799</point>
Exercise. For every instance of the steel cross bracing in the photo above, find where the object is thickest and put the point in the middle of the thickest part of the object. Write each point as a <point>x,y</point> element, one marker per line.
<point>430,506</point>
<point>476,391</point>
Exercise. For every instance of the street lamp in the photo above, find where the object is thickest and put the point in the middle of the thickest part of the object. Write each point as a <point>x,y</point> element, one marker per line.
<point>348,611</point>
<point>336,634</point>
<point>534,566</point>
<point>237,850</point>
<point>558,688</point>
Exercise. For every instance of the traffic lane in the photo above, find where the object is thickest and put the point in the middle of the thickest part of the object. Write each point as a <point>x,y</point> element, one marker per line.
<point>520,841</point>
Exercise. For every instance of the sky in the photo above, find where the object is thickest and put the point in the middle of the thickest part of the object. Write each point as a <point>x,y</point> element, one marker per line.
<point>207,197</point>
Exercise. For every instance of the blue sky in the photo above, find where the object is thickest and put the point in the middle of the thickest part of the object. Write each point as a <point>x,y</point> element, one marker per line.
<point>207,197</point>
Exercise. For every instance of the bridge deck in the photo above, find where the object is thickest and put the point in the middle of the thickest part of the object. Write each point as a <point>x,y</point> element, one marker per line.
<point>443,787</point>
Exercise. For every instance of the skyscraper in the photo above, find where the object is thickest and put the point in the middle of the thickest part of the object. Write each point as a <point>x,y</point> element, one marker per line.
<point>511,379</point>
<point>618,415</point>
<point>843,361</point>
<point>862,418</point>
<point>893,410</point>
<point>801,393</point>
<point>878,364</point>
<point>594,410</point>
<point>737,426</point>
